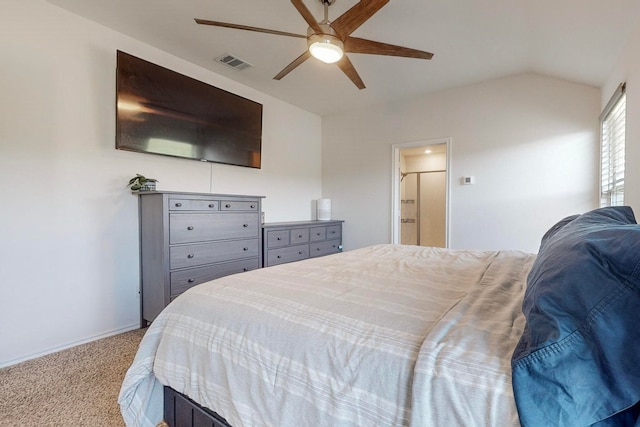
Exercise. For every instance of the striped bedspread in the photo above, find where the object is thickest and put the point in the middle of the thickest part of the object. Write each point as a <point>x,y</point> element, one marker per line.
<point>387,335</point>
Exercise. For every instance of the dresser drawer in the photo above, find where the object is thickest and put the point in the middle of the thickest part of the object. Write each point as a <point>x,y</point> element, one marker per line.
<point>277,238</point>
<point>207,253</point>
<point>317,233</point>
<point>324,248</point>
<point>200,227</point>
<point>193,205</point>
<point>299,235</point>
<point>184,279</point>
<point>334,232</point>
<point>288,254</point>
<point>226,205</point>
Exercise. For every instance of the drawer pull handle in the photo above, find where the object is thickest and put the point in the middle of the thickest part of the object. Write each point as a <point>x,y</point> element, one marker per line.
<point>279,257</point>
<point>317,249</point>
<point>178,205</point>
<point>245,249</point>
<point>191,280</point>
<point>245,225</point>
<point>317,234</point>
<point>253,206</point>
<point>299,252</point>
<point>299,236</point>
<point>227,206</point>
<point>245,269</point>
<point>190,227</point>
<point>279,238</point>
<point>212,205</point>
<point>190,256</point>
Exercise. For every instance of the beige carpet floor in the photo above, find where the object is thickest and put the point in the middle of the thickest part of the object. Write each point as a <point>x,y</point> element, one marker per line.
<point>75,387</point>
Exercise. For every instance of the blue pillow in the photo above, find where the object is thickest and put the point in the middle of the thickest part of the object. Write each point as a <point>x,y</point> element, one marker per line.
<point>578,360</point>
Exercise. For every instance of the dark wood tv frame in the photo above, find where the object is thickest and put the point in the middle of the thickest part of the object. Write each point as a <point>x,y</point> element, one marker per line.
<point>180,411</point>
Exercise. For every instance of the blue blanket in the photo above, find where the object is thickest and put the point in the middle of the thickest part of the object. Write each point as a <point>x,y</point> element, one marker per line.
<point>578,360</point>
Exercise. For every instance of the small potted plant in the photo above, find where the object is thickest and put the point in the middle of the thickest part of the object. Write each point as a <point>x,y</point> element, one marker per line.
<point>142,183</point>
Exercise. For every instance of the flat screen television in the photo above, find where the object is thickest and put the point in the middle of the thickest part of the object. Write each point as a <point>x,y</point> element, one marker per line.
<point>163,112</point>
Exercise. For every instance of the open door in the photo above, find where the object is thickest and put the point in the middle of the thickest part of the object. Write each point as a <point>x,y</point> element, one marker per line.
<point>421,193</point>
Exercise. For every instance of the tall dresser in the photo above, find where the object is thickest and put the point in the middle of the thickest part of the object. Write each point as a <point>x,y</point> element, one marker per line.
<point>191,238</point>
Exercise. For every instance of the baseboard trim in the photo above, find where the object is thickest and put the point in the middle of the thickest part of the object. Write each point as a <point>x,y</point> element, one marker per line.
<point>69,345</point>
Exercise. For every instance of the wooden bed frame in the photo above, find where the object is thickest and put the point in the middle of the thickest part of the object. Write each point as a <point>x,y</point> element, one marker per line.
<point>180,411</point>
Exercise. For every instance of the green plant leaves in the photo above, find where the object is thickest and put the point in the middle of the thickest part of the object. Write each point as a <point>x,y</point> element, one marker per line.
<point>139,181</point>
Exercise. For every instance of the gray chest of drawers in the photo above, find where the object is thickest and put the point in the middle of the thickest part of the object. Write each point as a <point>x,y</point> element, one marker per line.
<point>191,238</point>
<point>298,240</point>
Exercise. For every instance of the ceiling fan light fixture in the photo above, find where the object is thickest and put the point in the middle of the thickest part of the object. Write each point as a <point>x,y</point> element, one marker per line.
<point>326,48</point>
<point>327,44</point>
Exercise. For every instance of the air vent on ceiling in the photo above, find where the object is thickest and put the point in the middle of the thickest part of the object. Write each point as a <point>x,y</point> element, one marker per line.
<point>233,62</point>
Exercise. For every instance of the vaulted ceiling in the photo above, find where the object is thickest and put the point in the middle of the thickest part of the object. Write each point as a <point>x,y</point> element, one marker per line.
<point>473,40</point>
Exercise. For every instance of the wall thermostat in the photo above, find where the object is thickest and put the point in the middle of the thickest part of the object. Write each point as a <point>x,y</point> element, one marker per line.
<point>468,180</point>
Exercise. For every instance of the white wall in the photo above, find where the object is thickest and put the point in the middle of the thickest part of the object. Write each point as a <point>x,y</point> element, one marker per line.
<point>627,69</point>
<point>69,228</point>
<point>530,141</point>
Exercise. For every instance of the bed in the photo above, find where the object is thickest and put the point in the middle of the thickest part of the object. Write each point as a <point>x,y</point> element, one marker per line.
<point>387,335</point>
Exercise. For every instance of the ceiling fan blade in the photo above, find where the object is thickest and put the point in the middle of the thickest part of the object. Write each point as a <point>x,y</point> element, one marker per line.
<point>357,45</point>
<point>299,60</point>
<point>306,14</point>
<point>245,27</point>
<point>349,21</point>
<point>347,67</point>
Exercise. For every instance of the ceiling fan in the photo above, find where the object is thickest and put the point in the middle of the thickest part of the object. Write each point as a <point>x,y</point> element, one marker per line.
<point>328,41</point>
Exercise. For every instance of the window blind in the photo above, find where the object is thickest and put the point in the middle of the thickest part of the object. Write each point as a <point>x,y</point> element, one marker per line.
<point>612,136</point>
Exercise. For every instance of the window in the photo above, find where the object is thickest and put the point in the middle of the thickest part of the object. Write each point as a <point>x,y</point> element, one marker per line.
<point>612,137</point>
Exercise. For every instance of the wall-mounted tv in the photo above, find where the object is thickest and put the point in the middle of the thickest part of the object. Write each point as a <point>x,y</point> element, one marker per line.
<point>163,112</point>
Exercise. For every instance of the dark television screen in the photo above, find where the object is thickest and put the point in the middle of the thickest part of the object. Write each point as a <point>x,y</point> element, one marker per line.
<point>163,112</point>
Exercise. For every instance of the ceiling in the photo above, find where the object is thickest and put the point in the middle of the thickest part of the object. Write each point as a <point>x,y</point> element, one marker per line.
<point>472,41</point>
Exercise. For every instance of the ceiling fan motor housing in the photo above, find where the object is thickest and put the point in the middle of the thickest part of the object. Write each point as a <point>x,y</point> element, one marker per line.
<point>326,31</point>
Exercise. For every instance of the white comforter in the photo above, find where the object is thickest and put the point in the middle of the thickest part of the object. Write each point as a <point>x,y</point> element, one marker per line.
<point>386,335</point>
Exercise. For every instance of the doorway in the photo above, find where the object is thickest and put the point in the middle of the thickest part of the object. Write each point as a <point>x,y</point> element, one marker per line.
<point>421,193</point>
